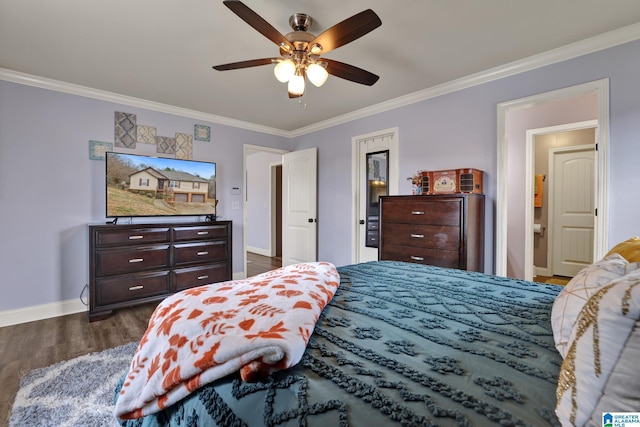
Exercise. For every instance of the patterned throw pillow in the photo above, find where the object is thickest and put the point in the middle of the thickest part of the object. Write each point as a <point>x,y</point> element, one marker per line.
<point>629,249</point>
<point>576,293</point>
<point>600,371</point>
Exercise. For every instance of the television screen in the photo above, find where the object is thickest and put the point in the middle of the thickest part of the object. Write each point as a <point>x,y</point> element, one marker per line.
<point>140,185</point>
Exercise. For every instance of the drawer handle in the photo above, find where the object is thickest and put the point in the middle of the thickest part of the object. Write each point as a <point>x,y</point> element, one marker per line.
<point>202,233</point>
<point>136,260</point>
<point>136,237</point>
<point>202,253</point>
<point>136,288</point>
<point>417,236</point>
<point>417,213</point>
<point>202,277</point>
<point>417,258</point>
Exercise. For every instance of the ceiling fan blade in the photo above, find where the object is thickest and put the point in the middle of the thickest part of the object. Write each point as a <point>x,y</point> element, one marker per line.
<point>347,31</point>
<point>245,64</point>
<point>349,72</point>
<point>257,22</point>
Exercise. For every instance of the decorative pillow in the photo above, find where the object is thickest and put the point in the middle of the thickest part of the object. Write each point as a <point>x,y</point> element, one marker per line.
<point>575,294</point>
<point>629,249</point>
<point>600,371</point>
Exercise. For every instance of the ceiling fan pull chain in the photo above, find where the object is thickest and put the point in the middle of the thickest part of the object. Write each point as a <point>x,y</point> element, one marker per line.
<point>302,101</point>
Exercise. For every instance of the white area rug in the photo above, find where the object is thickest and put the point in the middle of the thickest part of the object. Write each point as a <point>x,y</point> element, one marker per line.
<point>77,392</point>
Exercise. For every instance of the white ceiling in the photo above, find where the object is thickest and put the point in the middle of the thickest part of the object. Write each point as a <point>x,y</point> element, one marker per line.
<point>163,50</point>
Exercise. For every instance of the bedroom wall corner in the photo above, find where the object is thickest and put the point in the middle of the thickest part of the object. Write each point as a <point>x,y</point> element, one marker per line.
<point>51,189</point>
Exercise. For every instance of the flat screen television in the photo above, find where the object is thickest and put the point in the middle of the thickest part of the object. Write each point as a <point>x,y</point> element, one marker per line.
<point>144,186</point>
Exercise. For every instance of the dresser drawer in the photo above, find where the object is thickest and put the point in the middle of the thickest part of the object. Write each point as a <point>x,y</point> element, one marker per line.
<point>131,236</point>
<point>196,233</point>
<point>131,264</point>
<point>125,260</point>
<point>439,258</point>
<point>440,212</point>
<point>132,287</point>
<point>184,278</point>
<point>205,252</point>
<point>427,236</point>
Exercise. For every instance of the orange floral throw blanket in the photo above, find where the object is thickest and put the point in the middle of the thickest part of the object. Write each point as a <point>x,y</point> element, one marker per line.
<point>257,325</point>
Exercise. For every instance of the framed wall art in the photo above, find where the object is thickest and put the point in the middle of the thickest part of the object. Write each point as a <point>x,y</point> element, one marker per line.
<point>97,149</point>
<point>202,133</point>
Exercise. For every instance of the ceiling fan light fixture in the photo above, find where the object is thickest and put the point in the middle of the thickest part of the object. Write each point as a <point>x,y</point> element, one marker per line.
<point>284,70</point>
<point>300,50</point>
<point>315,49</point>
<point>296,85</point>
<point>317,74</point>
<point>285,47</point>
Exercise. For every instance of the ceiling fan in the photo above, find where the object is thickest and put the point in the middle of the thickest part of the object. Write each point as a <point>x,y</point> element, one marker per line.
<point>300,50</point>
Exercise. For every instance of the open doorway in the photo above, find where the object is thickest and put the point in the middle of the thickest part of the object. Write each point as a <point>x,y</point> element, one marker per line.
<point>588,101</point>
<point>562,159</point>
<point>262,209</point>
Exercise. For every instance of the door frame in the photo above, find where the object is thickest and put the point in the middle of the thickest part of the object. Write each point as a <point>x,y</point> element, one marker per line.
<point>273,209</point>
<point>247,150</point>
<point>601,89</point>
<point>530,168</point>
<point>394,180</point>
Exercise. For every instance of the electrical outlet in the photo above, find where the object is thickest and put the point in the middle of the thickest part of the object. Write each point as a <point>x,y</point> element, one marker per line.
<point>235,205</point>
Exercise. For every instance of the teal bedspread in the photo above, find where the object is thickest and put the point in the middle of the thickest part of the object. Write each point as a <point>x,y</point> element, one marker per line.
<point>403,344</point>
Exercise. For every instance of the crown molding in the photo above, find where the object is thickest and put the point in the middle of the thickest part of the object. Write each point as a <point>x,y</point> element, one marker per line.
<point>594,44</point>
<point>570,51</point>
<point>73,89</point>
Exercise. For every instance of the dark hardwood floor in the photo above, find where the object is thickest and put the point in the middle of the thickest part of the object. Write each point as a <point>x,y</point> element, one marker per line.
<point>38,344</point>
<point>554,280</point>
<point>32,345</point>
<point>257,264</point>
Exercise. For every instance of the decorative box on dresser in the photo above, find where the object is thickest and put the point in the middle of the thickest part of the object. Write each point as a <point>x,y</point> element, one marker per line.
<point>440,230</point>
<point>131,264</point>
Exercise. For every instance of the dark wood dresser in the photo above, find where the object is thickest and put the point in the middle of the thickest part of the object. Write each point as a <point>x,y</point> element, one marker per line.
<point>134,264</point>
<point>440,230</point>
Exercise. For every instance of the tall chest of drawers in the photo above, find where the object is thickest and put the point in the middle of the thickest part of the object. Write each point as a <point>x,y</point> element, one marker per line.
<point>134,264</point>
<point>441,230</point>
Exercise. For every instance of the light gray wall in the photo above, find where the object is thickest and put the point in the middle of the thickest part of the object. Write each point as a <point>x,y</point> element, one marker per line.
<point>50,190</point>
<point>459,130</point>
<point>451,131</point>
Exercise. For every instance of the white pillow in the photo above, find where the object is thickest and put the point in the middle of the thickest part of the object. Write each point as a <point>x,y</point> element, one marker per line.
<point>575,294</point>
<point>600,371</point>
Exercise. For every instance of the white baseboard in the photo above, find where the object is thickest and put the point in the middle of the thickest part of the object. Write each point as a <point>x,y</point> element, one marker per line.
<point>542,271</point>
<point>55,309</point>
<point>259,251</point>
<point>40,312</point>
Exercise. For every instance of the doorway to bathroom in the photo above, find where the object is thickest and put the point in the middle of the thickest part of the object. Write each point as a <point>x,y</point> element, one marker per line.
<point>563,162</point>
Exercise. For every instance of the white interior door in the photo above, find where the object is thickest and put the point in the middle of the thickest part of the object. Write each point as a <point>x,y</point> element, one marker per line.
<point>573,183</point>
<point>364,144</point>
<point>299,206</point>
